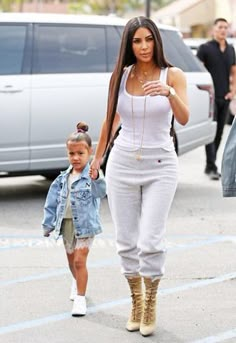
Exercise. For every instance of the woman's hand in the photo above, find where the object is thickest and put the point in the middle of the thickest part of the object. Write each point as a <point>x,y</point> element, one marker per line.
<point>94,168</point>
<point>229,96</point>
<point>156,87</point>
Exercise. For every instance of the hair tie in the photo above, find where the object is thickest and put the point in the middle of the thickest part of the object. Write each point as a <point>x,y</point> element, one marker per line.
<point>82,127</point>
<point>80,130</point>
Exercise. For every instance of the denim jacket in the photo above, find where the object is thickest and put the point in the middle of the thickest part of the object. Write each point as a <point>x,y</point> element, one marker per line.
<point>228,166</point>
<point>85,200</point>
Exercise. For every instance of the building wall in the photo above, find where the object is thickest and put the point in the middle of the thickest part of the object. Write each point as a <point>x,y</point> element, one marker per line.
<point>202,13</point>
<point>223,9</point>
<point>196,19</point>
<point>42,7</point>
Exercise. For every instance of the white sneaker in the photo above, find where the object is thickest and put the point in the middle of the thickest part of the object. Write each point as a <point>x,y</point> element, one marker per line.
<point>79,306</point>
<point>73,290</point>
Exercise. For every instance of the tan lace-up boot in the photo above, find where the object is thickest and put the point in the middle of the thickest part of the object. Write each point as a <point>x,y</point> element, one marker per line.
<point>148,321</point>
<point>135,284</point>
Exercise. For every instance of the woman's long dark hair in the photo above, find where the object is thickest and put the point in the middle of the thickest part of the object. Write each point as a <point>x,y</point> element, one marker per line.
<point>126,58</point>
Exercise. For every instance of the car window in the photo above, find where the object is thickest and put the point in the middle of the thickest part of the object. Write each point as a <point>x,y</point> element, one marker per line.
<point>12,43</point>
<point>113,45</point>
<point>69,49</point>
<point>178,54</point>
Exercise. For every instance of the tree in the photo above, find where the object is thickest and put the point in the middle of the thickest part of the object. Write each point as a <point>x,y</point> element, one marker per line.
<point>119,7</point>
<point>157,4</point>
<point>5,5</point>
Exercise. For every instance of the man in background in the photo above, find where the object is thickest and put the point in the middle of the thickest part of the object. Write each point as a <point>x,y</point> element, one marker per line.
<point>219,59</point>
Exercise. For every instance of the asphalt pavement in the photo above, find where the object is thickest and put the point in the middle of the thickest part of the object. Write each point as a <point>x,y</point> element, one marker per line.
<point>196,298</point>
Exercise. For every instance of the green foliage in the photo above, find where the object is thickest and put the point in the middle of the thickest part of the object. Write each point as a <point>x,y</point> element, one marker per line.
<point>103,6</point>
<point>119,7</point>
<point>157,4</point>
<point>5,5</point>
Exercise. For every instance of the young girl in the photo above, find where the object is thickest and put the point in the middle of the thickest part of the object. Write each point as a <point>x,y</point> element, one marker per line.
<point>72,210</point>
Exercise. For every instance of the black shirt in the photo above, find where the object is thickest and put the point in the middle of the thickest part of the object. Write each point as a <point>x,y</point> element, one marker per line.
<point>218,64</point>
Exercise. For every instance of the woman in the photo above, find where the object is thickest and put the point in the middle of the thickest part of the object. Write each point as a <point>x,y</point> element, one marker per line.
<point>141,173</point>
<point>228,164</point>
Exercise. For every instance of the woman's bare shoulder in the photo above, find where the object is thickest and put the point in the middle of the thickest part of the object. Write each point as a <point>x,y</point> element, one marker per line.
<point>175,71</point>
<point>175,74</point>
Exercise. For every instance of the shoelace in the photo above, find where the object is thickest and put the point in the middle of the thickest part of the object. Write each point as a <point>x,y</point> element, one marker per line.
<point>136,308</point>
<point>149,307</point>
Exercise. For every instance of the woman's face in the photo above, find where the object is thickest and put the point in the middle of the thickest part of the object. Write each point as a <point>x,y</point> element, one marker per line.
<point>143,45</point>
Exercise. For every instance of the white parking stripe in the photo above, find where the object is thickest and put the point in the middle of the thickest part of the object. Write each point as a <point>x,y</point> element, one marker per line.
<point>115,261</point>
<point>221,337</point>
<point>62,316</point>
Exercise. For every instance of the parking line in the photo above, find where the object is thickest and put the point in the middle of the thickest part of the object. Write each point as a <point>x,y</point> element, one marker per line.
<point>13,246</point>
<point>93,309</point>
<point>114,261</point>
<point>26,242</point>
<point>209,241</point>
<point>198,284</point>
<point>98,264</point>
<point>221,337</point>
<point>34,277</point>
<point>107,235</point>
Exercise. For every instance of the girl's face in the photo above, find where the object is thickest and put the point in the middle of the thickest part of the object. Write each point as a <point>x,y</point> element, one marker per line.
<point>143,45</point>
<point>78,155</point>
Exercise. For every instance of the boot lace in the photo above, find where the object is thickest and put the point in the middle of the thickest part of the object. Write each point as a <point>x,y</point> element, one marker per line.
<point>149,308</point>
<point>150,303</point>
<point>136,295</point>
<point>136,307</point>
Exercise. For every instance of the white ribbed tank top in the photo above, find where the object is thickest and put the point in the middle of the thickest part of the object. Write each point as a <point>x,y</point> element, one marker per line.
<point>157,121</point>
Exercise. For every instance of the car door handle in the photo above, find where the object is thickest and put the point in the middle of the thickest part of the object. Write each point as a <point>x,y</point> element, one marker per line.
<point>10,89</point>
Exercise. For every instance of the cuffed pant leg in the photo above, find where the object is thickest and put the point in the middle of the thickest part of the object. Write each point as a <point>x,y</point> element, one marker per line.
<point>157,198</point>
<point>124,202</point>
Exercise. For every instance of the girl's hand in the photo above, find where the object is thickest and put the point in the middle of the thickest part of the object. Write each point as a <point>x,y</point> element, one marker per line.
<point>46,233</point>
<point>94,169</point>
<point>154,88</point>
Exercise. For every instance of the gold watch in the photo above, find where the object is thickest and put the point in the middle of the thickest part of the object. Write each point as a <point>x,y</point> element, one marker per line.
<point>171,92</point>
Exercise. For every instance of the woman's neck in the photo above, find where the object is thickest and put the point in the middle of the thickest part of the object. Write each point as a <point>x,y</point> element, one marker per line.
<point>144,72</point>
<point>145,68</point>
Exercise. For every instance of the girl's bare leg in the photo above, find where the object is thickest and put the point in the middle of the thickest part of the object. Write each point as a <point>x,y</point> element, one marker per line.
<point>80,269</point>
<point>70,258</point>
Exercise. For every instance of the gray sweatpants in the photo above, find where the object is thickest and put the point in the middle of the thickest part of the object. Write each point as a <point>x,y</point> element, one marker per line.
<point>140,193</point>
